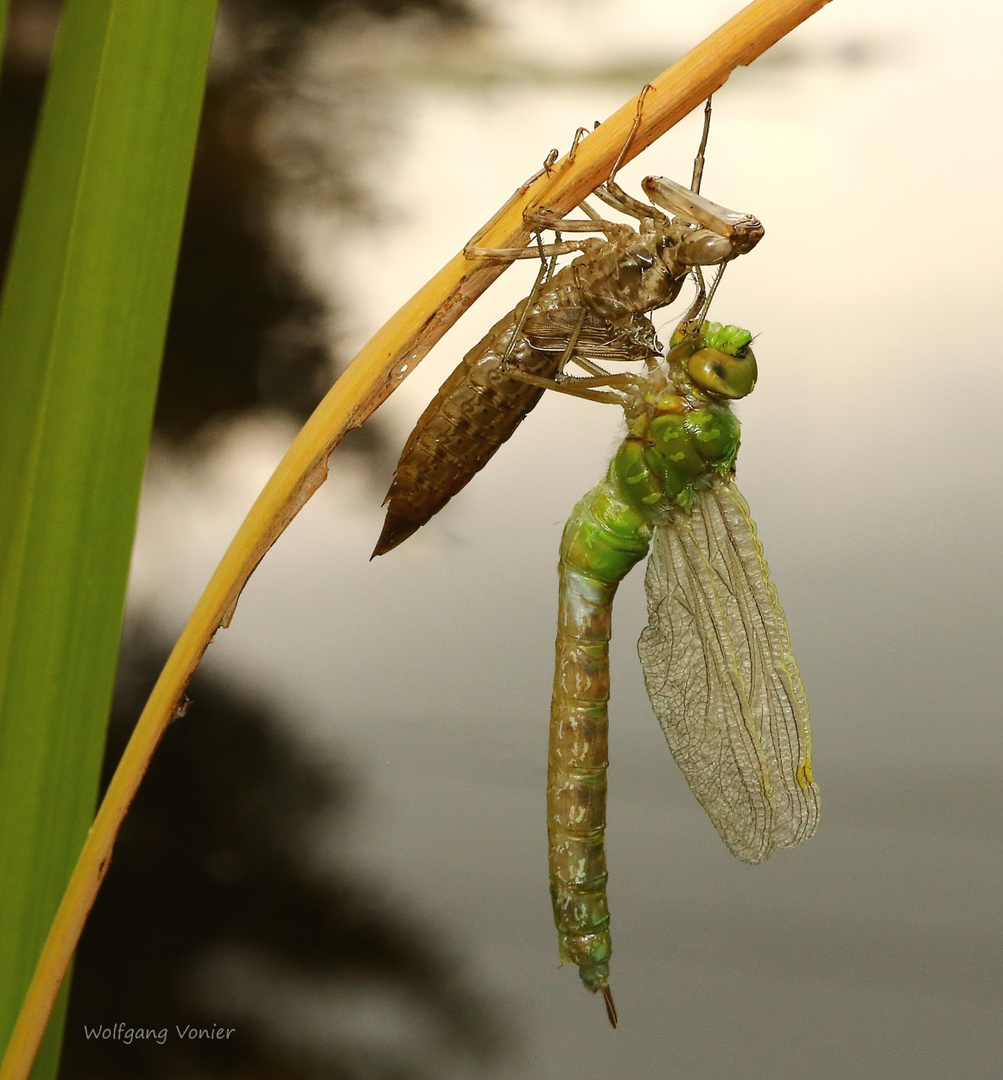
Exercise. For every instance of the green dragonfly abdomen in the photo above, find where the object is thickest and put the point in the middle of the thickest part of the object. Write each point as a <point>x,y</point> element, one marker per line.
<point>678,439</point>
<point>603,539</point>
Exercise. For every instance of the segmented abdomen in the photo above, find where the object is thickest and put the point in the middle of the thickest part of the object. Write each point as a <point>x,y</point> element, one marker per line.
<point>602,540</point>
<point>476,409</point>
<point>594,308</point>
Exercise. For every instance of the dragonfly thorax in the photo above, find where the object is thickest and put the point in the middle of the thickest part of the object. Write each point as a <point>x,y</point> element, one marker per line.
<point>682,433</point>
<point>682,443</point>
<point>631,272</point>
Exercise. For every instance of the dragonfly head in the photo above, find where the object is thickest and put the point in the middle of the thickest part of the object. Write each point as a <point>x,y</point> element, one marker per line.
<point>720,234</point>
<point>725,364</point>
<point>702,247</point>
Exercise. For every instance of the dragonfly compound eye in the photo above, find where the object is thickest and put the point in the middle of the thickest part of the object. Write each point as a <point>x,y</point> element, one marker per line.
<point>720,373</point>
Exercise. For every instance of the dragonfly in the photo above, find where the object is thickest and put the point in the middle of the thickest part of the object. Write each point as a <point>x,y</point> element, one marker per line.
<point>716,654</point>
<point>594,310</point>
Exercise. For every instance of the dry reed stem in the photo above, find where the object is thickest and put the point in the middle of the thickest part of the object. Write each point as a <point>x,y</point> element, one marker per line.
<point>371,377</point>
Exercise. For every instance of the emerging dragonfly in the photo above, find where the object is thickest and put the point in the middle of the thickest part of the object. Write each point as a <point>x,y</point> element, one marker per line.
<point>716,656</point>
<point>595,309</point>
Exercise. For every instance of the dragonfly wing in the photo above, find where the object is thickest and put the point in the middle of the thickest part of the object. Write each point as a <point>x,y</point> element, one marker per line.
<point>722,680</point>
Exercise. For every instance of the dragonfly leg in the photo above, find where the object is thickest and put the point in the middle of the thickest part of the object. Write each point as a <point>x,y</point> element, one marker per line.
<point>633,130</point>
<point>590,366</point>
<point>613,195</point>
<point>548,219</point>
<point>540,220</point>
<point>565,247</point>
<point>567,384</point>
<point>691,322</point>
<point>544,273</point>
<point>572,339</point>
<point>614,230</point>
<point>697,310</point>
<point>626,381</point>
<point>579,135</point>
<point>698,161</point>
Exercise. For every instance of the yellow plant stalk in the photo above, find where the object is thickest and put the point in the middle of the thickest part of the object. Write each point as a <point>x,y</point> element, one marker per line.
<point>371,377</point>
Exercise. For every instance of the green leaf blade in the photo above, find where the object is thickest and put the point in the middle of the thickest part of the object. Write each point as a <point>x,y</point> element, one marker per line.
<point>82,324</point>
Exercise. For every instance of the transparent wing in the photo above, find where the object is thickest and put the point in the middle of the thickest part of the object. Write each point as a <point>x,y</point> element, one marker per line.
<point>722,680</point>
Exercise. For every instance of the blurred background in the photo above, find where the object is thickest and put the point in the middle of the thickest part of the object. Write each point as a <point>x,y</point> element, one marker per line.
<point>340,850</point>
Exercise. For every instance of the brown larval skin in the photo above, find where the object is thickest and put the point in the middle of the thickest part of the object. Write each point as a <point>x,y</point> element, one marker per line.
<point>608,290</point>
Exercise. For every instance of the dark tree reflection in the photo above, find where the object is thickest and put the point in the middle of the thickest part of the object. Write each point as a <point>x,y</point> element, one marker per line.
<point>210,872</point>
<point>210,880</point>
<point>247,331</point>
